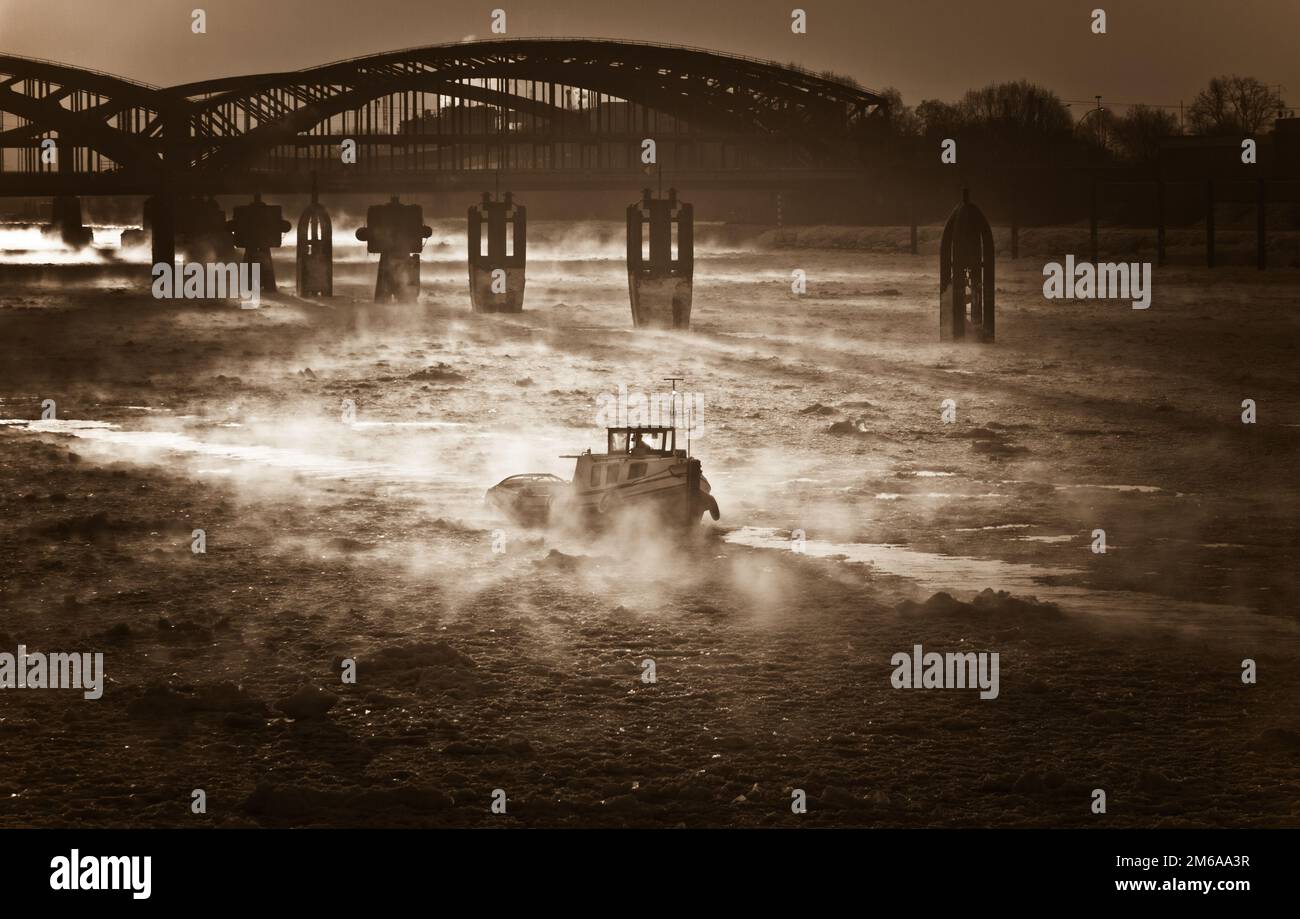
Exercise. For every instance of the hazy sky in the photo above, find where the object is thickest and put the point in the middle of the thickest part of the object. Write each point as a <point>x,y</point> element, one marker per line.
<point>1156,51</point>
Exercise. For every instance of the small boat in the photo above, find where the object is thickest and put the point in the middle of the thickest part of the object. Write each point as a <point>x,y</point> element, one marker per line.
<point>642,469</point>
<point>526,498</point>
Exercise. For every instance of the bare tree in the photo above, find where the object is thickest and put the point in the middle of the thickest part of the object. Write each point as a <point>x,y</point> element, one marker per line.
<point>1233,105</point>
<point>1017,108</point>
<point>1138,134</point>
<point>939,118</point>
<point>903,120</point>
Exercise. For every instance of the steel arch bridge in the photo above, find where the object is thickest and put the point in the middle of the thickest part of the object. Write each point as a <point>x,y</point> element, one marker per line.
<point>546,112</point>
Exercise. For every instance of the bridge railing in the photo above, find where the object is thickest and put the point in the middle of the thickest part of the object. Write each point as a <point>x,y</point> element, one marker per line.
<point>99,73</point>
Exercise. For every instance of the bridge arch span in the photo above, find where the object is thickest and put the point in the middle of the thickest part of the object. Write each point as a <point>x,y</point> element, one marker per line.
<point>516,104</point>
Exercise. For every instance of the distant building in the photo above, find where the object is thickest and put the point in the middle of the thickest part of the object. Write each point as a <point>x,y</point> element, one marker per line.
<point>1277,155</point>
<point>1286,146</point>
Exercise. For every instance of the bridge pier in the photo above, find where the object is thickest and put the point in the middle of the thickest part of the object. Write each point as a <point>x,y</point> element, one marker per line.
<point>195,227</point>
<point>202,230</point>
<point>660,268</point>
<point>497,271</point>
<point>258,229</point>
<point>966,275</point>
<point>315,250</point>
<point>160,222</point>
<point>65,221</point>
<point>396,231</point>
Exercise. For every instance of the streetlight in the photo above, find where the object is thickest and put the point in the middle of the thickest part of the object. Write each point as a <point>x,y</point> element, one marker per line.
<point>1100,126</point>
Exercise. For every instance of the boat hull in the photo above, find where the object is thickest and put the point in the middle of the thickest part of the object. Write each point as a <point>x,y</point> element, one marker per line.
<point>678,496</point>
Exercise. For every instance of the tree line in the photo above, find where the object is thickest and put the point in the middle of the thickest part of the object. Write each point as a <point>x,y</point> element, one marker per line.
<point>1020,115</point>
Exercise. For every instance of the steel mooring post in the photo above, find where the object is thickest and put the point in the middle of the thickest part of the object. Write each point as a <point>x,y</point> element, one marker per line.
<point>1261,224</point>
<point>315,249</point>
<point>1209,223</point>
<point>1015,221</point>
<point>1160,222</point>
<point>660,276</point>
<point>967,290</point>
<point>258,229</point>
<point>1092,221</point>
<point>911,214</point>
<point>397,232</point>
<point>497,270</point>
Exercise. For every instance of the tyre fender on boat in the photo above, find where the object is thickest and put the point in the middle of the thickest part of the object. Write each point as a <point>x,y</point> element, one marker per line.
<point>711,506</point>
<point>609,502</point>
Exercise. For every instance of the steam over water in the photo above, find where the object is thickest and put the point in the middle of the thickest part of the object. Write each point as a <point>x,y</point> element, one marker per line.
<point>448,404</point>
<point>334,454</point>
<point>549,241</point>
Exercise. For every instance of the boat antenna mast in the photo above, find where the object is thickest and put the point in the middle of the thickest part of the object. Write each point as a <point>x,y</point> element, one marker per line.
<point>672,412</point>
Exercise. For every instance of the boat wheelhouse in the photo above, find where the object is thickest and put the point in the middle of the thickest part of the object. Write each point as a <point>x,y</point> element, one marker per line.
<point>642,469</point>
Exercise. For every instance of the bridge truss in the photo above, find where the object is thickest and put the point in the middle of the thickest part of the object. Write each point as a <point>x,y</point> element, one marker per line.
<point>561,111</point>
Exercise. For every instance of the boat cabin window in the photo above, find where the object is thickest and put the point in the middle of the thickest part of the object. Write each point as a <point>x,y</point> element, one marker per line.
<point>641,441</point>
<point>635,471</point>
<point>611,473</point>
<point>595,474</point>
<point>648,441</point>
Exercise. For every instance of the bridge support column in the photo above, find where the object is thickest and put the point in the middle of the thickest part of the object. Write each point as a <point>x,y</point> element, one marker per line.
<point>202,232</point>
<point>396,231</point>
<point>160,223</point>
<point>315,250</point>
<point>65,222</point>
<point>497,263</point>
<point>660,270</point>
<point>258,229</point>
<point>966,258</point>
